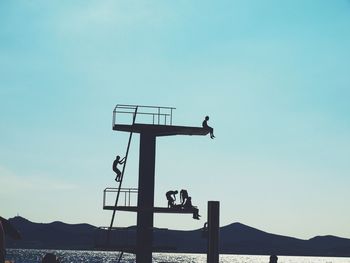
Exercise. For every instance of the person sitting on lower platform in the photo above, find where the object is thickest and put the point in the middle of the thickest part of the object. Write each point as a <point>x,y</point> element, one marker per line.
<point>183,196</point>
<point>188,205</point>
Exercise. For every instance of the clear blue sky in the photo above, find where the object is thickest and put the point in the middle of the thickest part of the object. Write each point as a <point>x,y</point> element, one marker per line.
<point>272,75</point>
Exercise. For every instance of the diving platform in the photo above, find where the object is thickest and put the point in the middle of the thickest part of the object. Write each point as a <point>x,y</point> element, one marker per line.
<point>154,120</point>
<point>149,122</point>
<point>164,210</point>
<point>161,130</point>
<point>128,199</point>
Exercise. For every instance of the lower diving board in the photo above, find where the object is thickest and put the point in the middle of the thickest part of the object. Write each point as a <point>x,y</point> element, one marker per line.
<point>175,210</point>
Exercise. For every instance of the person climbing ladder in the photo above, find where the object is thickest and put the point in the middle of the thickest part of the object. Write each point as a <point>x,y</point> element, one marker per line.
<point>115,167</point>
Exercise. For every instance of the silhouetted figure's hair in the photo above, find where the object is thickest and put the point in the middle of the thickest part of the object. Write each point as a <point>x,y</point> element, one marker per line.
<point>206,126</point>
<point>183,196</point>
<point>50,258</point>
<point>115,169</point>
<point>170,196</point>
<point>273,259</point>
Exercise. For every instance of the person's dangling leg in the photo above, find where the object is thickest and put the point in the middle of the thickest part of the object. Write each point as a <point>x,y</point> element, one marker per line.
<point>212,133</point>
<point>195,214</point>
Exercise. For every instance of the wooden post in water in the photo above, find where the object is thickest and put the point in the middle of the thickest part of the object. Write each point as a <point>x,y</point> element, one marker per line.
<point>213,231</point>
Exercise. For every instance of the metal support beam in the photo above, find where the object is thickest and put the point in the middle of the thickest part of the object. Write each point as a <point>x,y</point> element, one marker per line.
<point>213,231</point>
<point>146,198</point>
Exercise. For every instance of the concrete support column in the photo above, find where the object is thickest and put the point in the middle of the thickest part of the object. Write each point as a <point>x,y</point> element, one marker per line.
<point>145,198</point>
<point>213,231</point>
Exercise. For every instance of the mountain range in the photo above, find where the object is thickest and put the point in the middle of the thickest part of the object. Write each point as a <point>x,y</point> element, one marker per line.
<point>235,238</point>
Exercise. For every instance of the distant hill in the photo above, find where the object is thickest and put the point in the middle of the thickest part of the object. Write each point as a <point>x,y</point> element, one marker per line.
<point>235,238</point>
<point>55,235</point>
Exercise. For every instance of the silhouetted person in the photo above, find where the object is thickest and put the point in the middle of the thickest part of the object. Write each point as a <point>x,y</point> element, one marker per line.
<point>170,196</point>
<point>9,230</point>
<point>2,244</point>
<point>50,258</point>
<point>183,196</point>
<point>115,167</point>
<point>273,259</point>
<point>206,126</point>
<point>188,205</point>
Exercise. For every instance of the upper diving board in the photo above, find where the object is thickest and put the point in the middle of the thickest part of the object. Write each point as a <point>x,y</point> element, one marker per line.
<point>161,130</point>
<point>150,119</point>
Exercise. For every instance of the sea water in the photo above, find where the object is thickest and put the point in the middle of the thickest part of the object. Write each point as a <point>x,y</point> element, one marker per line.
<point>79,256</point>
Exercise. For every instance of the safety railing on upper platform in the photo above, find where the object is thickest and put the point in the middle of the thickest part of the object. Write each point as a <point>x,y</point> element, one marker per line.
<point>123,114</point>
<point>128,194</point>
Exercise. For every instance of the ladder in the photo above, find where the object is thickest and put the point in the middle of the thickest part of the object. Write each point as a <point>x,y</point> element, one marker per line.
<point>120,183</point>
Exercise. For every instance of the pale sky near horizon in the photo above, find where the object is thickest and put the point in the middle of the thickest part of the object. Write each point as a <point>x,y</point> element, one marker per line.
<point>272,75</point>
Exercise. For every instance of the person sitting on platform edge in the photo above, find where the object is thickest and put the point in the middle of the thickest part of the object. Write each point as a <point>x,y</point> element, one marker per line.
<point>183,196</point>
<point>188,205</point>
<point>170,196</point>
<point>115,168</point>
<point>206,126</point>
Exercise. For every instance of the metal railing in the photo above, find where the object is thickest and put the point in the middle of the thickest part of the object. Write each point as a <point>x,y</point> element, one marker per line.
<point>126,193</point>
<point>155,115</point>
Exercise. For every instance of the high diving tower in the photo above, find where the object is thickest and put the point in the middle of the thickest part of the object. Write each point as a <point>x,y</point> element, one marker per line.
<point>149,122</point>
